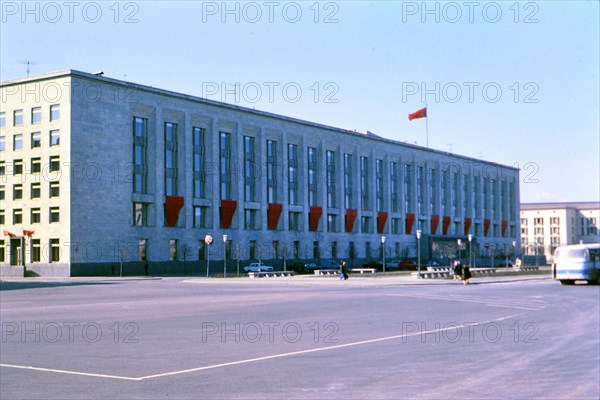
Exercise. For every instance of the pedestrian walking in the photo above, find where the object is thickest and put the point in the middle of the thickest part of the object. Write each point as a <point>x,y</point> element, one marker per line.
<point>344,269</point>
<point>466,274</point>
<point>457,270</point>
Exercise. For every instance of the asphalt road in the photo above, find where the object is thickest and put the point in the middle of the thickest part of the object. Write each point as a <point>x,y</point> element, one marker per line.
<point>299,338</point>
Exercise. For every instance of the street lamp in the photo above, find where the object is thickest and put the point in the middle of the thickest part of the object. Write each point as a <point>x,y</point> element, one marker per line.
<point>419,252</point>
<point>224,256</point>
<point>383,251</point>
<point>208,240</point>
<point>459,242</point>
<point>470,236</point>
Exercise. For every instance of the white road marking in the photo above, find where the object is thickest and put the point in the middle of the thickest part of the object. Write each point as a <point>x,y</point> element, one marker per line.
<point>251,360</point>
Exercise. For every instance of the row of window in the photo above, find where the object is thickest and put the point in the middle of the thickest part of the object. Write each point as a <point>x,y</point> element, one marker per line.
<point>35,191</point>
<point>35,140</point>
<point>36,116</point>
<point>35,216</point>
<point>17,167</point>
<point>50,252</point>
<point>457,192</point>
<point>333,222</point>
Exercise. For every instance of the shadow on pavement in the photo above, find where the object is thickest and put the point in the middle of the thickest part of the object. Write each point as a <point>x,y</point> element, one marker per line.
<point>8,285</point>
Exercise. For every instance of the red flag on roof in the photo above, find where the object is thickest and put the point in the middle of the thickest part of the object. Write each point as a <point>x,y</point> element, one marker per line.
<point>422,113</point>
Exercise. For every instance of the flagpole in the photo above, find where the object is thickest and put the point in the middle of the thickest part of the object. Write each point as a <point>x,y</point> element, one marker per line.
<point>426,127</point>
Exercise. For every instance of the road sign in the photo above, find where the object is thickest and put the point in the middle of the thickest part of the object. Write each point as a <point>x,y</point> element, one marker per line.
<point>208,239</point>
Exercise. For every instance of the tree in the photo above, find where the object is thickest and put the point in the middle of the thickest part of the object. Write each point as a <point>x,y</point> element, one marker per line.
<point>238,251</point>
<point>285,252</point>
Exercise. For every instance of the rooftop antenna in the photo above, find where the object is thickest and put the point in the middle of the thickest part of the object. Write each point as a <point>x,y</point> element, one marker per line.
<point>449,147</point>
<point>29,63</point>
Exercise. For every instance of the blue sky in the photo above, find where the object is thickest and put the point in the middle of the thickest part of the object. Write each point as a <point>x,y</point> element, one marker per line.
<point>511,82</point>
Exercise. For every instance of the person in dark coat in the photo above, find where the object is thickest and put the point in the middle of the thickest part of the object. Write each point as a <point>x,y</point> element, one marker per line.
<point>466,274</point>
<point>344,269</point>
<point>457,270</point>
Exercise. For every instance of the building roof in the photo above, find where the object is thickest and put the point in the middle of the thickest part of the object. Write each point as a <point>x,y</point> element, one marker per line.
<point>366,134</point>
<point>583,205</point>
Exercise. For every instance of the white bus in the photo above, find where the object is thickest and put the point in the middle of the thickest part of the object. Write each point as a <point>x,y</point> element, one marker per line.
<point>577,262</point>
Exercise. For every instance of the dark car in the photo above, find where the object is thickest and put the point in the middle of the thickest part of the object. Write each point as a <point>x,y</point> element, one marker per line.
<point>304,268</point>
<point>373,264</point>
<point>407,264</point>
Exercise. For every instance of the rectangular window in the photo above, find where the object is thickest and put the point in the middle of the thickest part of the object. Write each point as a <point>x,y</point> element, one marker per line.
<point>2,119</point>
<point>250,219</point>
<point>142,249</point>
<point>348,182</point>
<point>54,250</point>
<point>55,112</point>
<point>140,146</point>
<point>36,190</point>
<point>17,117</point>
<point>18,167</point>
<point>225,165</point>
<point>420,190</point>
<point>432,191</point>
<point>17,216</point>
<point>36,140</point>
<point>54,164</point>
<point>394,187</point>
<point>199,152</point>
<point>200,217</point>
<point>170,159</point>
<point>54,137</point>
<point>316,250</point>
<point>140,214</point>
<point>331,175</point>
<point>332,223</point>
<point>2,192</point>
<point>2,168</point>
<point>408,196</point>
<point>36,115</point>
<point>54,189</point>
<point>54,214</point>
<point>18,141</point>
<point>312,176</point>
<point>36,216</point>
<point>293,174</point>
<point>364,183</point>
<point>2,143</point>
<point>36,165</point>
<point>365,225</point>
<point>396,226</point>
<point>17,192</point>
<point>294,221</point>
<point>2,218</point>
<point>249,169</point>
<point>379,184</point>
<point>36,250</point>
<point>271,171</point>
<point>172,249</point>
<point>334,249</point>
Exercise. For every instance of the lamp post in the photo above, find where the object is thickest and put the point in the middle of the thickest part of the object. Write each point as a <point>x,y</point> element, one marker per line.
<point>419,252</point>
<point>383,251</point>
<point>459,243</point>
<point>514,243</point>
<point>224,256</point>
<point>208,240</point>
<point>470,236</point>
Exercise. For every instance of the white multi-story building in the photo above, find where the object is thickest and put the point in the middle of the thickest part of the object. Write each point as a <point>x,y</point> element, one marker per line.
<point>545,226</point>
<point>96,173</point>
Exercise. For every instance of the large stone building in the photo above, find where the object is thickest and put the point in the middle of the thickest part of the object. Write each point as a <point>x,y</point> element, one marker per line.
<point>98,173</point>
<point>545,226</point>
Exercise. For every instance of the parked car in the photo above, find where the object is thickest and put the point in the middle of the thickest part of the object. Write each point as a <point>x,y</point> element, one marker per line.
<point>258,267</point>
<point>432,264</point>
<point>304,268</point>
<point>329,264</point>
<point>394,264</point>
<point>374,264</point>
<point>407,264</point>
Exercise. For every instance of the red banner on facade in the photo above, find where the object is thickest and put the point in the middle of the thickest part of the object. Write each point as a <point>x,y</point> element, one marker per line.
<point>467,225</point>
<point>435,221</point>
<point>173,205</point>
<point>227,210</point>
<point>504,226</point>
<point>382,217</point>
<point>350,218</point>
<point>486,226</point>
<point>445,224</point>
<point>273,214</point>
<point>410,220</point>
<point>313,218</point>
